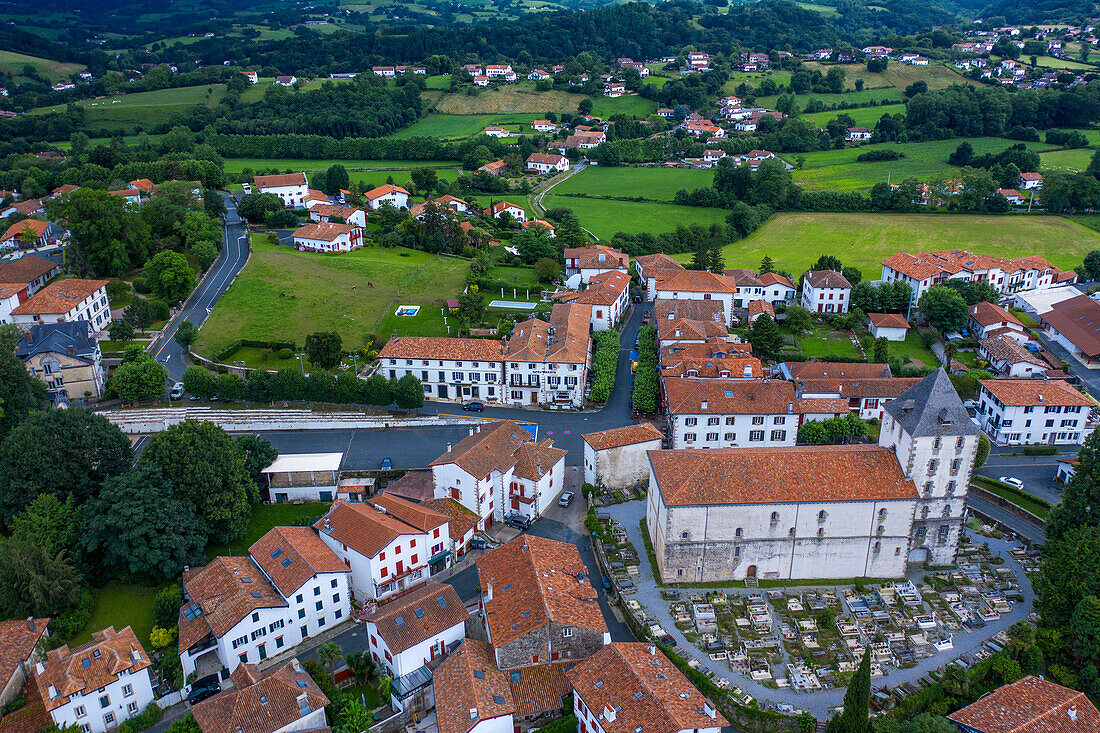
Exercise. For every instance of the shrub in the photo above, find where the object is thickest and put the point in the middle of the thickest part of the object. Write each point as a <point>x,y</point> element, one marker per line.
<point>141,286</point>
<point>1039,450</point>
<point>117,289</point>
<point>145,719</point>
<point>160,309</point>
<point>874,156</point>
<point>285,353</point>
<point>604,362</point>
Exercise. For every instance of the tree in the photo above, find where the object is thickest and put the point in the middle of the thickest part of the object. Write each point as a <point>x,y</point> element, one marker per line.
<point>336,178</point>
<point>229,386</point>
<point>1080,505</point>
<point>139,378</point>
<point>1068,572</point>
<point>585,107</point>
<point>963,154</point>
<point>798,319</point>
<point>106,238</point>
<point>1084,625</point>
<point>121,330</point>
<point>140,313</point>
<point>882,350</point>
<point>471,305</point>
<point>199,382</point>
<point>48,522</point>
<point>60,452</point>
<point>812,433</point>
<point>323,349</point>
<point>377,390</point>
<point>169,276</point>
<point>329,654</point>
<point>424,179</point>
<point>765,337</point>
<point>828,262</point>
<point>408,393</point>
<point>547,270</point>
<point>207,472</point>
<point>950,351</point>
<point>361,666</point>
<point>166,606</point>
<point>353,717</point>
<point>767,265</point>
<point>857,701</point>
<point>21,393</point>
<point>139,525</point>
<point>982,454</point>
<point>569,230</point>
<point>185,334</point>
<point>35,581</point>
<point>258,455</point>
<point>944,308</point>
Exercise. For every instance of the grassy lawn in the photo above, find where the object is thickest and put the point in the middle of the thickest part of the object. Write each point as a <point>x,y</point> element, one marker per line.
<point>826,342</point>
<point>120,606</point>
<point>520,277</point>
<point>911,348</point>
<point>283,293</point>
<point>796,240</point>
<point>12,63</point>
<point>1051,62</point>
<point>450,127</point>
<point>365,693</point>
<point>236,165</point>
<point>606,217</point>
<point>266,516</point>
<point>660,184</point>
<point>146,109</point>
<point>937,77</point>
<point>519,99</point>
<point>1092,221</point>
<point>864,116</point>
<point>843,99</point>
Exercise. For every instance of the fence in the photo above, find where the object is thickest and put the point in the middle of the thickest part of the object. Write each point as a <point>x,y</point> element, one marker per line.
<point>154,420</point>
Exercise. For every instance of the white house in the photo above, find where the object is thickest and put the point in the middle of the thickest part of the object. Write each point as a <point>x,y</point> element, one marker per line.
<point>617,458</point>
<point>777,288</point>
<point>241,610</point>
<point>501,207</point>
<point>499,470</point>
<point>30,269</point>
<point>281,700</point>
<point>453,203</point>
<point>547,163</point>
<point>19,639</point>
<point>1074,324</point>
<point>409,632</point>
<point>594,259</point>
<point>11,295</point>
<point>63,301</point>
<point>497,132</point>
<point>96,686</point>
<point>857,134</point>
<point>989,319</point>
<point>451,369</point>
<point>726,413</point>
<point>698,285</point>
<point>654,268</point>
<point>386,72</point>
<point>538,75</point>
<point>471,694</point>
<point>390,545</point>
<point>303,476</point>
<point>890,326</point>
<point>546,362</point>
<point>608,296</point>
<point>825,291</point>
<point>498,70</point>
<point>630,685</point>
<point>285,81</point>
<point>925,269</point>
<point>1021,411</point>
<point>1031,181</point>
<point>1010,358</point>
<point>387,194</point>
<point>328,237</point>
<point>328,212</point>
<point>292,188</point>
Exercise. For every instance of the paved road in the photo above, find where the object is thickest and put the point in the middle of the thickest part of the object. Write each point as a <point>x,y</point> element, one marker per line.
<point>1090,377</point>
<point>232,258</point>
<point>1037,472</point>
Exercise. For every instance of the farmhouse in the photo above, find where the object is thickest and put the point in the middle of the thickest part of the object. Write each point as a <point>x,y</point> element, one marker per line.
<point>453,203</point>
<point>547,361</point>
<point>825,291</point>
<point>857,134</point>
<point>1031,181</point>
<point>545,126</point>
<point>292,188</point>
<point>390,545</point>
<point>285,81</point>
<point>538,75</point>
<point>1021,411</point>
<point>617,458</point>
<point>500,208</point>
<point>1010,358</point>
<point>386,72</point>
<point>68,300</point>
<point>538,603</point>
<point>890,326</point>
<point>536,224</point>
<point>495,168</point>
<point>387,194</point>
<point>547,163</point>
<point>328,212</point>
<point>595,259</point>
<point>497,132</point>
<point>1014,197</point>
<point>328,237</point>
<point>30,270</point>
<point>30,233</point>
<point>96,686</point>
<point>580,140</point>
<point>630,685</point>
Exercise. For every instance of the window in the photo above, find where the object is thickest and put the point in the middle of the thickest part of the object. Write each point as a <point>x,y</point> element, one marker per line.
<point>821,515</point>
<point>567,631</point>
<point>320,605</point>
<point>739,532</point>
<point>951,487</point>
<point>758,420</point>
<point>927,487</point>
<point>779,435</point>
<point>737,552</point>
<point>729,437</point>
<point>712,436</point>
<point>955,465</point>
<point>243,657</point>
<point>278,642</point>
<point>301,613</point>
<point>937,443</point>
<point>335,597</point>
<point>780,420</point>
<point>730,421</point>
<point>258,633</point>
<point>316,591</point>
<point>933,465</point>
<point>127,690</point>
<point>689,436</point>
<point>131,707</point>
<point>959,444</point>
<point>255,617</point>
<point>321,621</point>
<point>339,613</point>
<point>275,625</point>
<point>775,517</point>
<point>684,535</point>
<point>691,421</point>
<point>334,579</point>
<point>298,598</point>
<point>109,719</point>
<point>240,641</point>
<point>679,571</point>
<point>756,436</point>
<point>105,701</point>
<point>80,711</point>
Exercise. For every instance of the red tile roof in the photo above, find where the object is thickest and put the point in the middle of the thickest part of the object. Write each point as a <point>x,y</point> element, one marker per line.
<point>16,230</point>
<point>728,396</point>
<point>280,181</point>
<point>491,449</point>
<point>416,515</point>
<point>362,527</point>
<point>818,279</point>
<point>858,387</point>
<point>689,330</point>
<point>324,231</point>
<point>460,520</point>
<point>847,370</point>
<point>535,581</point>
<point>987,314</point>
<point>1031,705</point>
<point>626,435</point>
<point>60,296</point>
<point>292,555</point>
<point>226,590</point>
<point>383,190</point>
<point>589,257</point>
<point>1005,348</point>
<point>695,281</point>
<point>888,320</point>
<point>643,688</point>
<point>535,460</point>
<point>26,269</point>
<point>1017,392</point>
<point>539,688</point>
<point>1078,320</point>
<point>108,655</point>
<point>260,702</point>
<point>402,627</point>
<point>760,308</point>
<point>605,288</point>
<point>469,688</point>
<point>532,341</point>
<point>442,347</point>
<point>691,477</point>
<point>671,309</point>
<point>730,367</point>
<point>18,639</point>
<point>774,278</point>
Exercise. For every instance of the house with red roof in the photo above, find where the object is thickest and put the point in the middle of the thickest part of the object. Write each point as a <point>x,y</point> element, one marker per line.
<point>825,291</point>
<point>616,458</point>
<point>501,207</point>
<point>328,237</point>
<point>387,194</point>
<point>1030,705</point>
<point>890,326</point>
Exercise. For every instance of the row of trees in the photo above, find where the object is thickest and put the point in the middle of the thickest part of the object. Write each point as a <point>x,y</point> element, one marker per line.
<point>647,382</point>
<point>292,385</point>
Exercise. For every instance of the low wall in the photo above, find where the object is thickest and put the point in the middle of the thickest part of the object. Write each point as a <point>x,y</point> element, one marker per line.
<point>1002,503</point>
<point>143,422</point>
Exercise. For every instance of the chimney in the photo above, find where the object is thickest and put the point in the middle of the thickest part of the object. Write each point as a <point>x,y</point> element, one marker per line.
<point>72,350</point>
<point>1040,397</point>
<point>473,713</point>
<point>30,624</point>
<point>703,405</point>
<point>471,432</point>
<point>708,709</point>
<point>477,428</point>
<point>652,650</point>
<point>488,591</point>
<point>448,447</point>
<point>1072,713</point>
<point>609,713</point>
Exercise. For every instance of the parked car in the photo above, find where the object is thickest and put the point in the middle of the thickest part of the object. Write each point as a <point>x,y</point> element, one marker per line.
<point>517,520</point>
<point>203,688</point>
<point>387,463</point>
<point>478,544</point>
<point>177,391</point>
<point>1011,481</point>
<point>566,497</point>
<point>473,407</point>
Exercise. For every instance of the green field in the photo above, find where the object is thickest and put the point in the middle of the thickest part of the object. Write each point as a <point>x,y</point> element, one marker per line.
<point>843,100</point>
<point>605,217</point>
<point>660,184</point>
<point>236,165</point>
<point>286,294</point>
<point>864,116</point>
<point>1067,160</point>
<point>827,10</point>
<point>1051,62</point>
<point>795,241</point>
<point>452,127</point>
<point>120,606</point>
<point>12,63</point>
<point>145,109</point>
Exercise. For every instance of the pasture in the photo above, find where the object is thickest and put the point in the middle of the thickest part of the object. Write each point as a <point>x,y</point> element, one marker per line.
<point>1075,160</point>
<point>12,64</point>
<point>237,165</point>
<point>453,127</point>
<point>286,294</point>
<point>659,184</point>
<point>518,99</point>
<point>796,240</point>
<point>142,109</point>
<point>605,217</point>
<point>864,116</point>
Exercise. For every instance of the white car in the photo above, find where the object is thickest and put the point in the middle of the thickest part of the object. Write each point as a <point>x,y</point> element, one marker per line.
<point>177,391</point>
<point>1011,481</point>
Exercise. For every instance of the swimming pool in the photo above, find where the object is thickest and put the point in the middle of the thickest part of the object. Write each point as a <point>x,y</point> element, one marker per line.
<point>512,304</point>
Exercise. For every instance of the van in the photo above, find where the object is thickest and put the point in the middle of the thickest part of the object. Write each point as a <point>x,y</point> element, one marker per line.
<point>246,187</point>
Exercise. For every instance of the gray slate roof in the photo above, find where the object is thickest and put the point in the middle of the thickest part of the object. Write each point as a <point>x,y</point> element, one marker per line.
<point>58,338</point>
<point>932,407</point>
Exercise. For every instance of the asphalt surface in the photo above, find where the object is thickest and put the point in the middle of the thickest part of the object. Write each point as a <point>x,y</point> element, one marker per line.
<point>1037,472</point>
<point>232,258</point>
